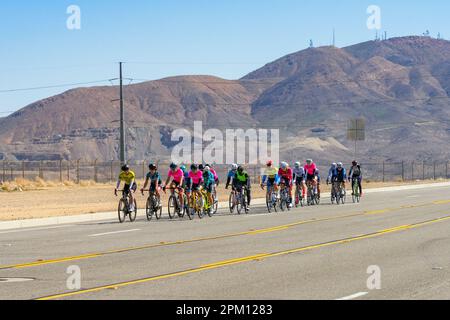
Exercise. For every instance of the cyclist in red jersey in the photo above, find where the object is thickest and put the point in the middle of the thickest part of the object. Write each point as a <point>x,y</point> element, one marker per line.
<point>285,173</point>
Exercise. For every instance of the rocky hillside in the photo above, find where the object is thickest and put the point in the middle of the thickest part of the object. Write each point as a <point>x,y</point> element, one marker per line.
<point>401,86</point>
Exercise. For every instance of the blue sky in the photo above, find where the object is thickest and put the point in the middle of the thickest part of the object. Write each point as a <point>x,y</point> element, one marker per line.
<point>226,38</point>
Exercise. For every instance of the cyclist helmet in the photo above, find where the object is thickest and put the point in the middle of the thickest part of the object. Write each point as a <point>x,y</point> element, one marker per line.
<point>173,166</point>
<point>234,167</point>
<point>340,165</point>
<point>207,168</point>
<point>194,167</point>
<point>334,165</point>
<point>284,165</point>
<point>355,163</point>
<point>201,167</point>
<point>309,161</point>
<point>152,167</point>
<point>240,169</point>
<point>269,163</point>
<point>125,167</point>
<point>298,165</point>
<point>183,168</point>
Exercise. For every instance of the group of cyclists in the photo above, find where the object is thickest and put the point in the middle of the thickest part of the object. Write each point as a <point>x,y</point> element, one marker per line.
<point>185,183</point>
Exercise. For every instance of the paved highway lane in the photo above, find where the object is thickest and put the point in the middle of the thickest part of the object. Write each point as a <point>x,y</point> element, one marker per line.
<point>309,253</point>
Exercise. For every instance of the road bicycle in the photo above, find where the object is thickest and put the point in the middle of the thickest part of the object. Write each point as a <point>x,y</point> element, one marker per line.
<point>207,206</point>
<point>232,201</point>
<point>284,197</point>
<point>271,199</point>
<point>124,208</point>
<point>174,206</point>
<point>338,193</point>
<point>313,198</point>
<point>196,204</point>
<point>153,206</point>
<point>241,200</point>
<point>299,199</point>
<point>356,196</point>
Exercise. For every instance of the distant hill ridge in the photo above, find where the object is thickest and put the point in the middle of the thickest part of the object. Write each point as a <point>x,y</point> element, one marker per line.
<point>396,84</point>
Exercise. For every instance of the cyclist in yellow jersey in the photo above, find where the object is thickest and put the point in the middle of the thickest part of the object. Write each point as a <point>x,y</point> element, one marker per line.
<point>270,176</point>
<point>130,187</point>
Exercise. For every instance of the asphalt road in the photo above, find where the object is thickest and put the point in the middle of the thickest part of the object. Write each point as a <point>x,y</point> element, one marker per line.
<point>322,252</point>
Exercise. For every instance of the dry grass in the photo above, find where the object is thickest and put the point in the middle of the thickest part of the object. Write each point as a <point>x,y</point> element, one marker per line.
<point>24,199</point>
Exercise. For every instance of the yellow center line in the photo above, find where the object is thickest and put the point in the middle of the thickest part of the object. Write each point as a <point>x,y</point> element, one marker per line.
<point>258,257</point>
<point>219,237</point>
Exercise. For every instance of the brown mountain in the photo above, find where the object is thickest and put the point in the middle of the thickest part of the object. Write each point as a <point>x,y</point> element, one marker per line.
<point>400,86</point>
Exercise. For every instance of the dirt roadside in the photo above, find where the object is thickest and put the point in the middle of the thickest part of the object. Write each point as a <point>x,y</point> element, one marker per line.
<point>66,200</point>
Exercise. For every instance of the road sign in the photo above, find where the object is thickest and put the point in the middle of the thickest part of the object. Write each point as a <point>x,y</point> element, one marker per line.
<point>356,130</point>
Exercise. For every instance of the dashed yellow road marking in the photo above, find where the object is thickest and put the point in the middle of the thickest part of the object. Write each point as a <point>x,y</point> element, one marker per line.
<point>258,257</point>
<point>224,236</point>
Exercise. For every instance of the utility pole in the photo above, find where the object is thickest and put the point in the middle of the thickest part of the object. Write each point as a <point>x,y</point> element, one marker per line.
<point>122,117</point>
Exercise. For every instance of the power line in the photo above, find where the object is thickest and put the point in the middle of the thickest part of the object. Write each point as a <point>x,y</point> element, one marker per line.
<point>230,82</point>
<point>56,86</point>
<point>194,63</point>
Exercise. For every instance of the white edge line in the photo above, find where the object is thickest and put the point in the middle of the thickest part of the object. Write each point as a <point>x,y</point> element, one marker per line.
<point>115,232</point>
<point>34,229</point>
<point>354,296</point>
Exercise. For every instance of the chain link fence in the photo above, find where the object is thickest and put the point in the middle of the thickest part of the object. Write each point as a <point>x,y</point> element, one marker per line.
<point>105,172</point>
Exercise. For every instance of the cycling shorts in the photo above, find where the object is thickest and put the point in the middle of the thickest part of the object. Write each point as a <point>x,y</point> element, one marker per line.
<point>208,188</point>
<point>127,188</point>
<point>299,180</point>
<point>270,182</point>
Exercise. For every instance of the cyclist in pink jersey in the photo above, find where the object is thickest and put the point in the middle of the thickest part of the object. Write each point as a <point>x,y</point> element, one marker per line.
<point>175,178</point>
<point>195,182</point>
<point>196,178</point>
<point>312,174</point>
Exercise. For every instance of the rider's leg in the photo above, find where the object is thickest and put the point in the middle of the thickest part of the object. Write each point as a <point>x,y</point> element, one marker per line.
<point>210,195</point>
<point>249,196</point>
<point>131,196</point>
<point>181,195</point>
<point>269,192</point>
<point>290,193</point>
<point>360,186</point>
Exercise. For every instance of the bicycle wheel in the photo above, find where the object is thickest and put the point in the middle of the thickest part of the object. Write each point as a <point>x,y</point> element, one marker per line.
<point>189,213</point>
<point>334,195</point>
<point>298,197</point>
<point>215,206</point>
<point>239,203</point>
<point>133,214</point>
<point>199,206</point>
<point>231,202</point>
<point>122,210</point>
<point>172,206</point>
<point>184,210</point>
<point>149,207</point>
<point>355,192</point>
<point>283,203</point>
<point>244,203</point>
<point>269,203</point>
